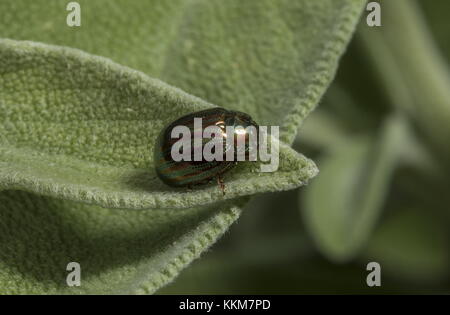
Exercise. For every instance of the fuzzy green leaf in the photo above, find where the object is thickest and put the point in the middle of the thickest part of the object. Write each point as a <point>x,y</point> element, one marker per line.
<point>119,251</point>
<point>79,127</point>
<point>273,60</point>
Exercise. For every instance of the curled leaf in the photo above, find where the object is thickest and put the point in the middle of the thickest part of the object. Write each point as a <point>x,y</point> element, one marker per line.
<point>79,127</point>
<point>119,251</point>
<point>82,128</point>
<point>272,59</point>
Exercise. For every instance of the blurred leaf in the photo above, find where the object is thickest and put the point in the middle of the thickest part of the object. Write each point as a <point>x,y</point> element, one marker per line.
<point>273,60</point>
<point>411,244</point>
<point>414,73</point>
<point>218,274</point>
<point>342,206</point>
<point>321,131</point>
<point>436,14</point>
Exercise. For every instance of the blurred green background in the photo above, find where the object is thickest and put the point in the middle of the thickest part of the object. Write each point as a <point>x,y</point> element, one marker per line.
<point>382,191</point>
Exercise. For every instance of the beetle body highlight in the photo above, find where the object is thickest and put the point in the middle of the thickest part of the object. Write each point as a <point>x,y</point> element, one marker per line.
<point>191,173</point>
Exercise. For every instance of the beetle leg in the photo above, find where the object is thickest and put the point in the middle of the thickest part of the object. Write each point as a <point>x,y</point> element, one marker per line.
<point>221,184</point>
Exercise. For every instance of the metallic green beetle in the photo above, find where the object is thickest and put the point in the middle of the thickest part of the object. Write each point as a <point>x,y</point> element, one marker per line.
<point>191,173</point>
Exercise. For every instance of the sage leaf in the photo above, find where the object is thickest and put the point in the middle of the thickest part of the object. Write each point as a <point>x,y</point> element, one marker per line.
<point>435,14</point>
<point>119,251</point>
<point>85,131</point>
<point>273,60</point>
<point>355,179</point>
<point>415,74</point>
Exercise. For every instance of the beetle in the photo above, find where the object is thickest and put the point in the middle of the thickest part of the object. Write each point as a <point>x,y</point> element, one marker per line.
<point>192,173</point>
